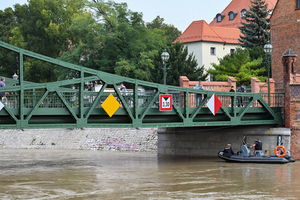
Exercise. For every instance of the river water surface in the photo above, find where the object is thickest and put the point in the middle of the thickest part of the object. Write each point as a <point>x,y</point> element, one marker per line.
<point>52,174</point>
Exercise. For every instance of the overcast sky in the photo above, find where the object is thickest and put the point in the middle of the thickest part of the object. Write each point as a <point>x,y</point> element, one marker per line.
<point>180,13</point>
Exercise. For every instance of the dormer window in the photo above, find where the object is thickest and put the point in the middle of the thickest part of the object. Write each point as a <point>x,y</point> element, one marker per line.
<point>219,17</point>
<point>243,13</point>
<point>232,15</point>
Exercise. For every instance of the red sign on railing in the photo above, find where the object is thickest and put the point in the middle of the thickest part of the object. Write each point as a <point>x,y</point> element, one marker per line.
<point>165,102</point>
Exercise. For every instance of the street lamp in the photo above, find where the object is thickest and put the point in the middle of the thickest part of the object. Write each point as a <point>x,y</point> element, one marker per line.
<point>165,57</point>
<point>268,50</point>
<point>15,76</point>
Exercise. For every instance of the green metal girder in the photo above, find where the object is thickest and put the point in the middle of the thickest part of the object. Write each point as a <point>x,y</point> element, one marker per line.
<point>139,109</point>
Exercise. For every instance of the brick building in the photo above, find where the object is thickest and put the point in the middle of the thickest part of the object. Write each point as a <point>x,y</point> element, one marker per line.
<point>285,30</point>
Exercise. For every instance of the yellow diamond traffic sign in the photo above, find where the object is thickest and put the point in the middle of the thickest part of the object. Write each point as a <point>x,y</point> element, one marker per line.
<point>110,105</point>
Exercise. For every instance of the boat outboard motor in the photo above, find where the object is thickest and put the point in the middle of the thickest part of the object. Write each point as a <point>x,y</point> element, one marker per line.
<point>245,151</point>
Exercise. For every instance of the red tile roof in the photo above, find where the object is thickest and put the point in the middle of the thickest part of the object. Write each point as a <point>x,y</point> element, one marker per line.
<point>237,6</point>
<point>201,31</point>
<point>225,31</point>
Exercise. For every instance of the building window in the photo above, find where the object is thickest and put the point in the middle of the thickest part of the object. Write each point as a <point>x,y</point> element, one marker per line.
<point>213,51</point>
<point>219,17</point>
<point>232,15</point>
<point>243,13</point>
<point>232,51</point>
<point>298,4</point>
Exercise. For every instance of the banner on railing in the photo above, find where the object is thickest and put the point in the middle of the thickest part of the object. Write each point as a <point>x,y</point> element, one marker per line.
<point>214,104</point>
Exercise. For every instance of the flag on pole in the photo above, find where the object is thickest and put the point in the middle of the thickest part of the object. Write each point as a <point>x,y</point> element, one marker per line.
<point>214,104</point>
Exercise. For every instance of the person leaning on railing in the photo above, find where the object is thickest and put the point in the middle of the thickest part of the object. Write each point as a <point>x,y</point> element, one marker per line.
<point>123,89</point>
<point>198,98</point>
<point>240,99</point>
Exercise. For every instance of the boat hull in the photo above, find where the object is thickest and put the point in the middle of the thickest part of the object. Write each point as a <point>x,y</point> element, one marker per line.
<point>254,159</point>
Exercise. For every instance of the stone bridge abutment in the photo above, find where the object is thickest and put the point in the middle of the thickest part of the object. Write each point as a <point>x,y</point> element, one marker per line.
<point>207,142</point>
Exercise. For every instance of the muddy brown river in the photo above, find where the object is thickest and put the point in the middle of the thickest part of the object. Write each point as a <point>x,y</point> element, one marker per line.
<point>52,174</point>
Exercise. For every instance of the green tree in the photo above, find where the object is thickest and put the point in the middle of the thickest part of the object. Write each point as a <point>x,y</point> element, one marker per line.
<point>7,23</point>
<point>180,64</point>
<point>169,30</point>
<point>86,45</point>
<point>43,26</point>
<point>98,34</point>
<point>127,42</point>
<point>238,65</point>
<point>8,65</point>
<point>256,28</point>
<point>140,70</point>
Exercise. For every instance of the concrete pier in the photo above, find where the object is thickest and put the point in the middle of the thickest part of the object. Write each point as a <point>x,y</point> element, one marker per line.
<point>207,142</point>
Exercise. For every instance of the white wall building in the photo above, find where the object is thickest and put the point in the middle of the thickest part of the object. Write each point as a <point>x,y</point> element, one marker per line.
<point>210,42</point>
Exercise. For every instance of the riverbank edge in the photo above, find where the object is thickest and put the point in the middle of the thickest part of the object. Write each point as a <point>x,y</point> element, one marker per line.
<point>105,139</point>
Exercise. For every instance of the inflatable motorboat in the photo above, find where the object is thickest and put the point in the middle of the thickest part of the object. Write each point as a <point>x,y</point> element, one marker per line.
<point>281,156</point>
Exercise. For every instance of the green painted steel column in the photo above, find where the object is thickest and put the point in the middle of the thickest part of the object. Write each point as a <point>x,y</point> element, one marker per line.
<point>186,104</point>
<point>136,122</point>
<point>33,97</point>
<point>81,121</point>
<point>81,93</point>
<point>21,82</point>
<point>135,100</point>
<point>234,105</point>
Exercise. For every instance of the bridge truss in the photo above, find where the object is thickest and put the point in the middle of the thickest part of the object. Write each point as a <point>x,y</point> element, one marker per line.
<point>69,103</point>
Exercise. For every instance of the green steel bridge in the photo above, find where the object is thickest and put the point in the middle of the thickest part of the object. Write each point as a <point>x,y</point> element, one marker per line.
<point>70,104</point>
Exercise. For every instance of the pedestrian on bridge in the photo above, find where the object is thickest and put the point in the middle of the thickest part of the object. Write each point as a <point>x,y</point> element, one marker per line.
<point>2,84</point>
<point>198,99</point>
<point>240,98</point>
<point>123,89</point>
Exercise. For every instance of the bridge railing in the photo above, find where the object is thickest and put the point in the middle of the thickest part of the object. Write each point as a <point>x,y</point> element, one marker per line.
<point>53,101</point>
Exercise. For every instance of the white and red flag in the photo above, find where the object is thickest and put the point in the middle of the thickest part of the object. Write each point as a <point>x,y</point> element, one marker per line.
<point>214,104</point>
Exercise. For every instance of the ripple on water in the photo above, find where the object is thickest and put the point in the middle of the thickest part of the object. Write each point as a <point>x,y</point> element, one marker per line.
<point>44,174</point>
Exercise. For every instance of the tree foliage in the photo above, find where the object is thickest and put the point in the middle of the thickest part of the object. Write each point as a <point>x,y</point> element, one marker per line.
<point>256,28</point>
<point>239,65</point>
<point>169,30</point>
<point>98,34</point>
<point>8,24</point>
<point>180,64</point>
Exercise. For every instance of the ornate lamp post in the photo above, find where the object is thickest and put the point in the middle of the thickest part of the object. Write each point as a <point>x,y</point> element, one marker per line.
<point>165,57</point>
<point>268,50</point>
<point>15,76</point>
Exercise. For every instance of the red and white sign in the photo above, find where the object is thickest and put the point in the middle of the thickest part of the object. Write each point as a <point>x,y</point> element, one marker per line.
<point>165,102</point>
<point>214,104</point>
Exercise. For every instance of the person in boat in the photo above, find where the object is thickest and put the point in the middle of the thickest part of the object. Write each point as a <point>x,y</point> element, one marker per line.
<point>228,151</point>
<point>257,147</point>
